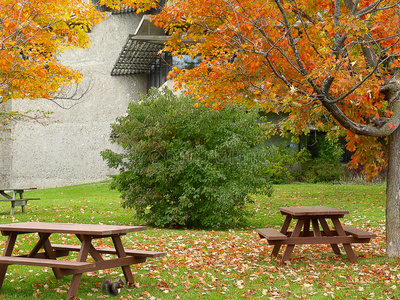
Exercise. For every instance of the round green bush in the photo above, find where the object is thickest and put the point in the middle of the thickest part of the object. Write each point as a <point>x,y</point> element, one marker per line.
<point>187,166</point>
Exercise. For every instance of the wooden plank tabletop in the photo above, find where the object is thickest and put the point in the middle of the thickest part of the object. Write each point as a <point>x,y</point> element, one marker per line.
<point>73,228</point>
<point>301,211</point>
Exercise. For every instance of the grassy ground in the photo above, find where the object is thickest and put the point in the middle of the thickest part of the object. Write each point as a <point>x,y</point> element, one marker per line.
<point>232,264</point>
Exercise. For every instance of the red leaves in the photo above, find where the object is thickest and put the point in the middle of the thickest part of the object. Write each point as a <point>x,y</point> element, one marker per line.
<point>388,113</point>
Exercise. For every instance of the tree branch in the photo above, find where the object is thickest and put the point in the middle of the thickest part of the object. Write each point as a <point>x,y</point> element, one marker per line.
<point>368,130</point>
<point>368,51</point>
<point>72,94</point>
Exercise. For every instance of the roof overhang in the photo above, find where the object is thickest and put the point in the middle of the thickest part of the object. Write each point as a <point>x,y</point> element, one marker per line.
<point>123,10</point>
<point>141,48</point>
<point>138,54</point>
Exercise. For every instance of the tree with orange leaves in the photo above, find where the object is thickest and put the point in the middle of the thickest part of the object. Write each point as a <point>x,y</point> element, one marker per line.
<point>31,34</point>
<point>332,64</point>
<point>140,6</point>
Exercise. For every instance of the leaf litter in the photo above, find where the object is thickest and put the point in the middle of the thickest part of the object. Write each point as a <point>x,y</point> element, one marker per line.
<point>236,264</point>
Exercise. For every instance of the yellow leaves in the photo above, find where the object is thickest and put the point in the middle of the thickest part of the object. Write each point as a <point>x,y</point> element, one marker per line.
<point>216,106</point>
<point>329,27</point>
<point>140,5</point>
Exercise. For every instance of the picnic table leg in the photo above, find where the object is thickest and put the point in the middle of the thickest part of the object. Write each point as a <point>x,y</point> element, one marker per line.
<point>3,193</point>
<point>306,230</point>
<point>76,278</point>
<point>93,252</point>
<point>328,232</point>
<point>347,246</point>
<point>284,230</point>
<point>45,243</point>
<point>12,208</point>
<point>7,252</point>
<point>296,233</point>
<point>119,248</point>
<point>43,237</point>
<point>14,197</point>
<point>315,226</point>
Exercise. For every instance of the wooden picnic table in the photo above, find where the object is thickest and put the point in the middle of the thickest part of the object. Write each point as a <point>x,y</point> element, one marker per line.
<point>85,233</point>
<point>312,228</point>
<point>16,197</point>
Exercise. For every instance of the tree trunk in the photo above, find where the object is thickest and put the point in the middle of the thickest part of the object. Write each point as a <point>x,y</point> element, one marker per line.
<point>393,197</point>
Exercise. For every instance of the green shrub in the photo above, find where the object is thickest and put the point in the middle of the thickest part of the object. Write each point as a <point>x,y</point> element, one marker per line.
<point>330,150</point>
<point>188,167</point>
<point>288,165</point>
<point>285,163</point>
<point>326,167</point>
<point>322,170</point>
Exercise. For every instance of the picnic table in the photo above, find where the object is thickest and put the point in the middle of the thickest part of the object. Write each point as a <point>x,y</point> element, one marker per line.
<point>86,234</point>
<point>312,228</point>
<point>16,197</point>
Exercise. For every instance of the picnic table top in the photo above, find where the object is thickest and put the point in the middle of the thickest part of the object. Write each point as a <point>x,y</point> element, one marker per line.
<point>73,228</point>
<point>301,211</point>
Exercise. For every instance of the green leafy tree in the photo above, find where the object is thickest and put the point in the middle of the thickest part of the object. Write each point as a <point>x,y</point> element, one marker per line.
<point>185,166</point>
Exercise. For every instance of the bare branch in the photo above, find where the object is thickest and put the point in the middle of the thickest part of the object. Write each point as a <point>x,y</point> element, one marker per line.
<point>72,94</point>
<point>368,9</point>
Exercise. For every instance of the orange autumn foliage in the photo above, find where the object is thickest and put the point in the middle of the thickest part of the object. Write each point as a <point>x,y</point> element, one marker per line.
<point>32,32</point>
<point>139,5</point>
<point>324,64</point>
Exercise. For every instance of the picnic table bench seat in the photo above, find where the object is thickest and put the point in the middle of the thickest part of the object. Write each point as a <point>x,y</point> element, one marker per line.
<point>271,234</point>
<point>44,262</point>
<point>23,199</point>
<point>130,252</point>
<point>358,233</point>
<point>18,202</point>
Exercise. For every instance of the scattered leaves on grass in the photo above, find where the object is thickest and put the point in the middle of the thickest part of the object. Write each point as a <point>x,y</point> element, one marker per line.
<point>232,264</point>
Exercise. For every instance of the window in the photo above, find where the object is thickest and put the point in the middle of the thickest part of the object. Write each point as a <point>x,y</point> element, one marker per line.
<point>163,64</point>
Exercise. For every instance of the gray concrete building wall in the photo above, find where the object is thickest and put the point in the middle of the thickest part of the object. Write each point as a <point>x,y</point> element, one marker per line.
<point>5,161</point>
<point>5,154</point>
<point>67,150</point>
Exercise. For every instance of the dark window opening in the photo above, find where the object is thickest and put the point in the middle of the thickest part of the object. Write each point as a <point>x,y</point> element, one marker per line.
<point>159,70</point>
<point>164,63</point>
<point>313,142</point>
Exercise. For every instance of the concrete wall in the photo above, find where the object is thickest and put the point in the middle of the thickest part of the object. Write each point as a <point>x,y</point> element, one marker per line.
<point>67,150</point>
<point>5,161</point>
<point>5,154</point>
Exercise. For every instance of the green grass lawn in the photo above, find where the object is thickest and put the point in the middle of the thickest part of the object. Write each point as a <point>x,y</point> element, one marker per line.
<point>233,264</point>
